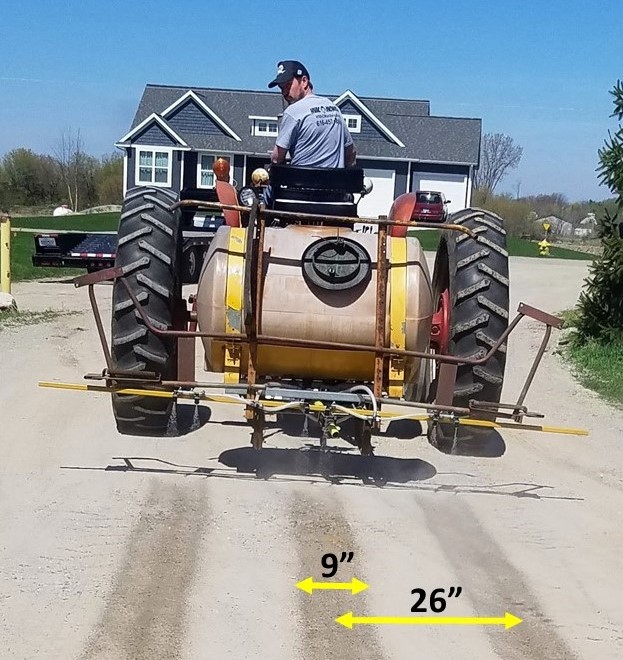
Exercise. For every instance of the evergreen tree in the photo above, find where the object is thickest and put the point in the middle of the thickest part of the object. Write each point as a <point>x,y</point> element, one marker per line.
<point>601,301</point>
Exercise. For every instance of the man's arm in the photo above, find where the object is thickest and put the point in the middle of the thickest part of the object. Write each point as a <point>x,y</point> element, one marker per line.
<point>350,155</point>
<point>278,155</point>
<point>286,138</point>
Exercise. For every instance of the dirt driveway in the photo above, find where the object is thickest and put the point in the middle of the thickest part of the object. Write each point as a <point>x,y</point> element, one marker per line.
<point>119,547</point>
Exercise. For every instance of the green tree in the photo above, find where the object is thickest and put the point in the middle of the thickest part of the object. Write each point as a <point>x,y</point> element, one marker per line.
<point>28,178</point>
<point>601,301</point>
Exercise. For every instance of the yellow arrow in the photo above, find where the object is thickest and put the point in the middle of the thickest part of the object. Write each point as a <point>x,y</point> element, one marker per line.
<point>508,620</point>
<point>309,586</point>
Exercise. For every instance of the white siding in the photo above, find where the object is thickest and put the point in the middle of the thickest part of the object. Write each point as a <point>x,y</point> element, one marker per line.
<point>380,200</point>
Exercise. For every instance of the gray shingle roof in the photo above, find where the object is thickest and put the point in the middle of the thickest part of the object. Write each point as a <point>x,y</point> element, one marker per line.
<point>426,138</point>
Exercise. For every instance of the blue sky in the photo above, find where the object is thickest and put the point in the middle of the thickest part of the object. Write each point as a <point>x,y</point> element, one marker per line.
<point>537,71</point>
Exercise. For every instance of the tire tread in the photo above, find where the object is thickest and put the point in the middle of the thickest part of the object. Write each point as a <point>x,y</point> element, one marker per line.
<point>148,248</point>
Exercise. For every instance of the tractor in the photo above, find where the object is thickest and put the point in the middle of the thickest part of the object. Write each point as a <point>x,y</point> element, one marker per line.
<point>301,314</point>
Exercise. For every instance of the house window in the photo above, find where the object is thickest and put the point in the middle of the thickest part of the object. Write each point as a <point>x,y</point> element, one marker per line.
<point>154,167</point>
<point>353,123</point>
<point>264,126</point>
<point>205,175</point>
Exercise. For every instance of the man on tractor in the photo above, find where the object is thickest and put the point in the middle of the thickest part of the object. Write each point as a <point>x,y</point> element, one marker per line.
<point>312,128</point>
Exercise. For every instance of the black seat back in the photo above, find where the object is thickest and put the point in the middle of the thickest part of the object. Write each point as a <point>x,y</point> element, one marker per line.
<point>347,180</point>
<point>318,190</point>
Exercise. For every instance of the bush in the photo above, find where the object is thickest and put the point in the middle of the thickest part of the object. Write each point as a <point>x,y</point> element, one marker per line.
<point>515,213</point>
<point>601,301</point>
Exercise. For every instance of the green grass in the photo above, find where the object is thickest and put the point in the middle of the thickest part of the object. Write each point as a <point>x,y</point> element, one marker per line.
<point>12,318</point>
<point>95,222</point>
<point>517,247</point>
<point>599,368</point>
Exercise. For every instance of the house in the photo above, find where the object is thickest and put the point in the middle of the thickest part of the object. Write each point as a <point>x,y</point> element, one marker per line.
<point>177,133</point>
<point>558,226</point>
<point>587,226</point>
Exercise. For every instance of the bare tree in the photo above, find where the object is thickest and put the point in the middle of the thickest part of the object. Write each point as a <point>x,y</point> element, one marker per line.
<point>498,154</point>
<point>70,158</point>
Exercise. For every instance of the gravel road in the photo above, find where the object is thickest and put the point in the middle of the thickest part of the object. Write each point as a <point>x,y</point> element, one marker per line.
<point>120,547</point>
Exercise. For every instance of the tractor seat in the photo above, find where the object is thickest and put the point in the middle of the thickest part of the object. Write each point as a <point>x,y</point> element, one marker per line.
<point>318,190</point>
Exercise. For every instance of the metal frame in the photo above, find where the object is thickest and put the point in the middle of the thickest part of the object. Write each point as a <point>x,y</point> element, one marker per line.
<point>256,406</point>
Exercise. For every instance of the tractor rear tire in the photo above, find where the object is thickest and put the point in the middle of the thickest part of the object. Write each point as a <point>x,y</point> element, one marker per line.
<point>476,274</point>
<point>149,248</point>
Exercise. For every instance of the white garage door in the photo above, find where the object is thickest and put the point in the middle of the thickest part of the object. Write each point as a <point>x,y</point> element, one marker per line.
<point>453,186</point>
<point>379,201</point>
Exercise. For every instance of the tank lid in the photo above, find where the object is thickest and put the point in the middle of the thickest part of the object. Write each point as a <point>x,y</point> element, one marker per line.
<point>336,263</point>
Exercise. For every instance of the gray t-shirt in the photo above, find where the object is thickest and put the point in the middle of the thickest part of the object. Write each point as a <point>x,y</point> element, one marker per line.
<point>314,132</point>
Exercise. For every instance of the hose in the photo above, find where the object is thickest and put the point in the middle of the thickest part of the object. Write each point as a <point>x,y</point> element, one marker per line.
<point>271,411</point>
<point>349,412</point>
<point>368,391</point>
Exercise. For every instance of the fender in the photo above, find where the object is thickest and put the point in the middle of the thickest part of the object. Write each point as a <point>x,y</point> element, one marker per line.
<point>226,194</point>
<point>401,211</point>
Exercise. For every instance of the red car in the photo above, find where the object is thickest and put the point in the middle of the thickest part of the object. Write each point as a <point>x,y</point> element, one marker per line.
<point>430,206</point>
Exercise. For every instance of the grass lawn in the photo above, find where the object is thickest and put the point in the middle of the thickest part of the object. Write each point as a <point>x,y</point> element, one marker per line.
<point>517,247</point>
<point>599,368</point>
<point>88,222</point>
<point>596,366</point>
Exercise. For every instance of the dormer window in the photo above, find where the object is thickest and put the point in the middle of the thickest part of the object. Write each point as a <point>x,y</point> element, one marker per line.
<point>264,126</point>
<point>353,123</point>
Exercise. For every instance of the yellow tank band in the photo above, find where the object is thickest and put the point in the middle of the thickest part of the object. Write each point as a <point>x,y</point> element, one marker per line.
<point>233,301</point>
<point>397,312</point>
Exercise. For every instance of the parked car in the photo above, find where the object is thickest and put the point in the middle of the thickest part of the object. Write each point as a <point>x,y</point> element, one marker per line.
<point>430,206</point>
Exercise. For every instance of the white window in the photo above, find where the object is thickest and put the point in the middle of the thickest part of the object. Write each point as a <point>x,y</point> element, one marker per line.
<point>205,174</point>
<point>264,126</point>
<point>153,167</point>
<point>353,123</point>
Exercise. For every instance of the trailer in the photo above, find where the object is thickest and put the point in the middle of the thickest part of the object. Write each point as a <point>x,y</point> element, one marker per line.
<point>96,251</point>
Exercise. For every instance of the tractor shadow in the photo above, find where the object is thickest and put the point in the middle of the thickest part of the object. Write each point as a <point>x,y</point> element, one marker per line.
<point>334,465</point>
<point>293,426</point>
<point>188,418</point>
<point>490,446</point>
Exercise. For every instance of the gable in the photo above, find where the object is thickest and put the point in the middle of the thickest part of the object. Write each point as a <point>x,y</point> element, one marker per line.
<point>368,130</point>
<point>189,118</point>
<point>376,127</point>
<point>154,135</point>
